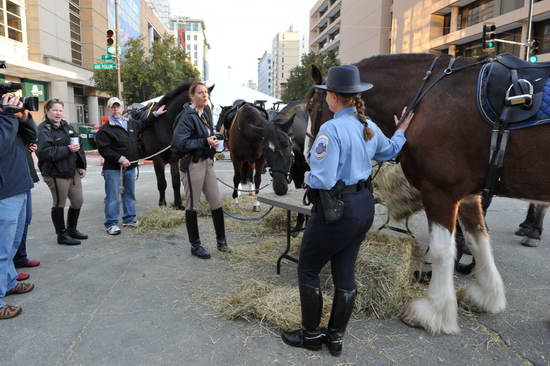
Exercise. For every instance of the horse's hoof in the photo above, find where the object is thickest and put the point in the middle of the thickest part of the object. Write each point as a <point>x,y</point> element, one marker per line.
<point>179,207</point>
<point>422,313</point>
<point>162,203</point>
<point>423,276</point>
<point>530,242</point>
<point>478,300</point>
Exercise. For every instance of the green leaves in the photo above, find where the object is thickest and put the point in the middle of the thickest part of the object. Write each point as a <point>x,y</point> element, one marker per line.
<point>147,74</point>
<point>300,80</point>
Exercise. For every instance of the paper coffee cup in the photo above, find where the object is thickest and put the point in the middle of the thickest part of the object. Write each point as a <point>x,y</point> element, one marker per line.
<point>75,141</point>
<point>219,147</point>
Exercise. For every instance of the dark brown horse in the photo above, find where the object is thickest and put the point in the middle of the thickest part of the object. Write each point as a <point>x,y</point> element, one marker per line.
<point>255,142</point>
<point>446,158</point>
<point>158,137</point>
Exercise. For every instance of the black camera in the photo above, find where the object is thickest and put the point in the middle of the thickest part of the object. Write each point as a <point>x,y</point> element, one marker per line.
<point>29,103</point>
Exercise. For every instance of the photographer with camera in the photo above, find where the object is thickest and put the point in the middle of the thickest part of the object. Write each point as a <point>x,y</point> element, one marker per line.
<point>13,193</point>
<point>63,166</point>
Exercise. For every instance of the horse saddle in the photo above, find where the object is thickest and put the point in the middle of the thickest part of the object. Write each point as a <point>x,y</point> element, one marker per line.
<point>514,92</point>
<point>238,104</point>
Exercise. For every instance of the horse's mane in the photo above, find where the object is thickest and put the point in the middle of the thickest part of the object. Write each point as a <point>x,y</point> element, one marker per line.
<point>251,111</point>
<point>181,88</point>
<point>409,57</point>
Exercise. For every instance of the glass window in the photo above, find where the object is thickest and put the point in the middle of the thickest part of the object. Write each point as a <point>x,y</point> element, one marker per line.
<point>509,5</point>
<point>471,49</point>
<point>511,35</point>
<point>196,56</point>
<point>446,23</point>
<point>188,37</point>
<point>189,47</point>
<point>195,47</point>
<point>74,20</point>
<point>196,27</point>
<point>14,24</point>
<point>542,34</point>
<point>476,12</point>
<point>196,37</point>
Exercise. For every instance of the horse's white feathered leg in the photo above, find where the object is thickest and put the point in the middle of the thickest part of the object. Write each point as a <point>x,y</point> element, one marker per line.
<point>437,313</point>
<point>487,293</point>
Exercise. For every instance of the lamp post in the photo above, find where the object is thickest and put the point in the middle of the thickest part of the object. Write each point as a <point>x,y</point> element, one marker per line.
<point>117,53</point>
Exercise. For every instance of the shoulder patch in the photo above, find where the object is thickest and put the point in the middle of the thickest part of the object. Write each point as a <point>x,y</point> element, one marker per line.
<point>321,146</point>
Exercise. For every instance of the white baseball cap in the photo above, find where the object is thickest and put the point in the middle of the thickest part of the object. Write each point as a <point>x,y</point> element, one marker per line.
<point>114,100</point>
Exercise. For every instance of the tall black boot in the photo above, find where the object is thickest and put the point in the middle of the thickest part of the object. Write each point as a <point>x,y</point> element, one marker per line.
<point>310,335</point>
<point>193,232</point>
<point>342,307</point>
<point>72,222</point>
<point>219,227</point>
<point>58,218</point>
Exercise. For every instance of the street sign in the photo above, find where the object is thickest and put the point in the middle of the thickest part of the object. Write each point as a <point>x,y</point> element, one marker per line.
<point>104,67</point>
<point>107,57</point>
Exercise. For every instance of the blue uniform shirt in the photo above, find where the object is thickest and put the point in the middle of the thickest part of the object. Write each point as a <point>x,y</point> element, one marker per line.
<point>341,153</point>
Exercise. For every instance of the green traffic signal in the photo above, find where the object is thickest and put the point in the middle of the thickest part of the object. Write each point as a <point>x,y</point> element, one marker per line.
<point>490,44</point>
<point>533,59</point>
<point>111,50</point>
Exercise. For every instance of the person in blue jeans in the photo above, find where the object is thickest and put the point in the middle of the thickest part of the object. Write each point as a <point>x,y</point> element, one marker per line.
<point>15,182</point>
<point>117,143</point>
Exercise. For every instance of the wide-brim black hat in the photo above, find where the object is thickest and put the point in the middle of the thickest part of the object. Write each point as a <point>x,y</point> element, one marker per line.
<point>345,80</point>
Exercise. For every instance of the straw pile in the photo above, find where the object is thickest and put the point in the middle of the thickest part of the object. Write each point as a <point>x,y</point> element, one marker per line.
<point>396,193</point>
<point>383,274</point>
<point>160,219</point>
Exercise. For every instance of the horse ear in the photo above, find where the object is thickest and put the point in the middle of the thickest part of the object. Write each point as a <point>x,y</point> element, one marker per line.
<point>285,126</point>
<point>316,75</point>
<point>211,88</point>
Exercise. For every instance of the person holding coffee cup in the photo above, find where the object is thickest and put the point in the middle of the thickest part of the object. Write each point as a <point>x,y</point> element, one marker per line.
<point>63,165</point>
<point>195,140</point>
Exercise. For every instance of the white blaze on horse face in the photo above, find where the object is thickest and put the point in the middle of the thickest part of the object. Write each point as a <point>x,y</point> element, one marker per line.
<point>307,141</point>
<point>271,146</point>
<point>487,293</point>
<point>437,313</point>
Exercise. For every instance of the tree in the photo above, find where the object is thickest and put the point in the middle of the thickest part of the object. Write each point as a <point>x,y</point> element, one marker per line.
<point>300,81</point>
<point>146,75</point>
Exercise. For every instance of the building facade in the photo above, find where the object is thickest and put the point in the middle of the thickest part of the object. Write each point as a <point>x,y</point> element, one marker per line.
<point>265,75</point>
<point>285,57</point>
<point>353,29</point>
<point>191,35</point>
<point>162,10</point>
<point>50,47</point>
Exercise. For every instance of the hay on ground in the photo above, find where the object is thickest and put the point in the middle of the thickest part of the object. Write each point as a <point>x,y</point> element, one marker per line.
<point>383,274</point>
<point>160,219</point>
<point>396,193</point>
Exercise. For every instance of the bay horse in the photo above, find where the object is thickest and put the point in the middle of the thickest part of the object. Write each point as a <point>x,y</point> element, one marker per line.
<point>158,136</point>
<point>445,158</point>
<point>255,142</point>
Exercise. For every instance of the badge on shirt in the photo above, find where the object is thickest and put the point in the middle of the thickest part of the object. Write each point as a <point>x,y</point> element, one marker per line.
<point>321,147</point>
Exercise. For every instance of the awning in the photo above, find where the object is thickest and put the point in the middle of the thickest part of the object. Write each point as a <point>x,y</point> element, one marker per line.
<point>27,69</point>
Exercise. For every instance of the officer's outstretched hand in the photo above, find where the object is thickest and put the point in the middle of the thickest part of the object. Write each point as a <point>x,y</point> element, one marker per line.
<point>405,120</point>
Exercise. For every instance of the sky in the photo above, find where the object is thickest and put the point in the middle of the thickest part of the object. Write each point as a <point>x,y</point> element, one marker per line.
<point>240,31</point>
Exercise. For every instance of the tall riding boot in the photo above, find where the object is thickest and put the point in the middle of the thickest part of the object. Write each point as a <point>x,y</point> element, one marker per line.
<point>193,232</point>
<point>72,221</point>
<point>58,218</point>
<point>219,227</point>
<point>310,335</point>
<point>342,307</point>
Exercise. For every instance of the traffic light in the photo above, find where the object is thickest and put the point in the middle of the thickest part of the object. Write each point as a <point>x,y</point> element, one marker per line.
<point>110,41</point>
<point>534,51</point>
<point>488,37</point>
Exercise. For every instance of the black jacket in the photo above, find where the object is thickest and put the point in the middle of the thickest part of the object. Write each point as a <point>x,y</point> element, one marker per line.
<point>14,171</point>
<point>190,136</point>
<point>27,132</point>
<point>54,157</point>
<point>113,142</point>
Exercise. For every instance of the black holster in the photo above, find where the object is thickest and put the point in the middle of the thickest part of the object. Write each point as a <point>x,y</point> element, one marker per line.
<point>331,202</point>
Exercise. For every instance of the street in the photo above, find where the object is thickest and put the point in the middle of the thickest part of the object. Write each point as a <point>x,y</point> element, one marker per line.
<point>139,300</point>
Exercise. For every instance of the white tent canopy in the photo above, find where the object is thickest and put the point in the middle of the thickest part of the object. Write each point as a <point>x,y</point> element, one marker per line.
<point>226,92</point>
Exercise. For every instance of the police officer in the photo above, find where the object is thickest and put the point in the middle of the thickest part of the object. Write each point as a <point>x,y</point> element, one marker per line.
<point>194,138</point>
<point>340,157</point>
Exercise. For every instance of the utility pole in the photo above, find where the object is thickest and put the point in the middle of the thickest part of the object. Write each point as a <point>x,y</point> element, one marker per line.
<point>529,30</point>
<point>117,53</point>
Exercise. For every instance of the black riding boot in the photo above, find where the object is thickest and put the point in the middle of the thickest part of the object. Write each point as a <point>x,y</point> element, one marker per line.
<point>58,218</point>
<point>193,232</point>
<point>219,227</point>
<point>72,222</point>
<point>310,335</point>
<point>342,307</point>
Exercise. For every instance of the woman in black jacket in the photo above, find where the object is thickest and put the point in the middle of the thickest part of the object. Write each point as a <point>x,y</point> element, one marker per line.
<point>194,138</point>
<point>63,165</point>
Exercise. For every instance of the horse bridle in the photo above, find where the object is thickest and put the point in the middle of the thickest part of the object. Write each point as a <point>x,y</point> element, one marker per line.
<point>287,175</point>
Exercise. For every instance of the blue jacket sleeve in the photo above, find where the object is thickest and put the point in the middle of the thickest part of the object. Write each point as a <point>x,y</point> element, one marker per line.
<point>324,159</point>
<point>387,149</point>
<point>9,126</point>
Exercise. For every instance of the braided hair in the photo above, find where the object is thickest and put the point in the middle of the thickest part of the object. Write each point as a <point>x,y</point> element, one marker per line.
<point>356,101</point>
